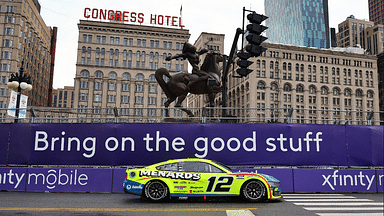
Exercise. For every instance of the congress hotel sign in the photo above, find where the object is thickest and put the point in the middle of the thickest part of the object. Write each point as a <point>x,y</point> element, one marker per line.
<point>132,17</point>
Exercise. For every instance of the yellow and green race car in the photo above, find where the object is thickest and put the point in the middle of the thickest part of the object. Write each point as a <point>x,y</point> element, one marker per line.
<point>194,177</point>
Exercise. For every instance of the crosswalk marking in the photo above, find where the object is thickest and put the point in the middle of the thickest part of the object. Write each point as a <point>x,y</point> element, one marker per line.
<point>318,197</point>
<point>345,209</point>
<point>239,213</point>
<point>351,214</point>
<point>336,204</point>
<point>341,204</point>
<point>328,200</point>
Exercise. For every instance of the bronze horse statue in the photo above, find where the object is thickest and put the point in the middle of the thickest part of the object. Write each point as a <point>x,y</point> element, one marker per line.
<point>176,87</point>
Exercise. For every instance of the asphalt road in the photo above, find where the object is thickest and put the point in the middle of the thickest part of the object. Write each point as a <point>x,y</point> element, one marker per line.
<point>29,203</point>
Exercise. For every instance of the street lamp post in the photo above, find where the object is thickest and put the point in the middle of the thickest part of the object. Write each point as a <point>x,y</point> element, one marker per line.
<point>19,82</point>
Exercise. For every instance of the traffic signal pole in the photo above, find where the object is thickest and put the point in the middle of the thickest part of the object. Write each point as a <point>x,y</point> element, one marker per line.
<point>226,66</point>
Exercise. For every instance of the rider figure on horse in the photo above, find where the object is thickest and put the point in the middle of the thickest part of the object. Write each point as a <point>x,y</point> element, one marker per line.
<point>189,52</point>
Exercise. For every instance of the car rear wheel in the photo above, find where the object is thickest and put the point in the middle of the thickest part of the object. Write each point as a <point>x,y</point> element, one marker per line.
<point>253,191</point>
<point>156,191</point>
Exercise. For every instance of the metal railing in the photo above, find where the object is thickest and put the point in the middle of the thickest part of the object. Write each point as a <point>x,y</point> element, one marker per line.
<point>202,115</point>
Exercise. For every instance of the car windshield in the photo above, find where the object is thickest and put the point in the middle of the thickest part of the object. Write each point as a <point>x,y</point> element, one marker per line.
<point>223,165</point>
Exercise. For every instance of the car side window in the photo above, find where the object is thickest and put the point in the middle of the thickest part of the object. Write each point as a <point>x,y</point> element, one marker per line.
<point>169,167</point>
<point>200,167</point>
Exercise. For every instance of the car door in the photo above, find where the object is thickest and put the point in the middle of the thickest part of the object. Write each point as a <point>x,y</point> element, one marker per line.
<point>213,181</point>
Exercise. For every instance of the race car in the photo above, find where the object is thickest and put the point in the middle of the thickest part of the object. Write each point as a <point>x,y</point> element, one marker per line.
<point>195,177</point>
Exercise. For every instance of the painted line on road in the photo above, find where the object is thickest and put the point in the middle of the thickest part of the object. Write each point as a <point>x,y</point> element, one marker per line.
<point>239,213</point>
<point>329,200</point>
<point>345,209</point>
<point>340,204</point>
<point>119,209</point>
<point>318,197</point>
<point>350,214</point>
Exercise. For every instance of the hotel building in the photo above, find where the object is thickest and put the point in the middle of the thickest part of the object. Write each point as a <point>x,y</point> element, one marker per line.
<point>320,84</point>
<point>116,63</point>
<point>25,37</point>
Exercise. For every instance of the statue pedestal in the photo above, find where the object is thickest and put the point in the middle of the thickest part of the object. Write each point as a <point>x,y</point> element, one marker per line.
<point>181,120</point>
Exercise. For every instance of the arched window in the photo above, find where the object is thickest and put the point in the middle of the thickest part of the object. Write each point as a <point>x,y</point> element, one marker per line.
<point>126,76</point>
<point>102,51</point>
<point>83,49</point>
<point>84,73</point>
<point>152,78</point>
<point>301,68</point>
<point>312,90</point>
<point>156,55</point>
<point>359,93</point>
<point>111,52</point>
<point>125,53</point>
<point>143,54</point>
<point>116,52</point>
<point>164,56</point>
<point>299,89</point>
<point>138,54</point>
<point>258,63</point>
<point>263,64</point>
<point>309,68</point>
<point>284,66</point>
<point>130,53</point>
<point>99,74</point>
<point>321,69</point>
<point>89,50</point>
<point>347,92</point>
<point>97,51</point>
<point>276,65</point>
<point>112,75</point>
<point>297,67</point>
<point>247,86</point>
<point>271,65</point>
<point>314,69</point>
<point>369,94</point>
<point>151,55</point>
<point>287,87</point>
<point>324,90</point>
<point>139,77</point>
<point>289,66</point>
<point>336,91</point>
<point>274,87</point>
<point>260,85</point>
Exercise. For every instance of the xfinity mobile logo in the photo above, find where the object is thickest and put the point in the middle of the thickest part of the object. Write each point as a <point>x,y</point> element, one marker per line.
<point>339,180</point>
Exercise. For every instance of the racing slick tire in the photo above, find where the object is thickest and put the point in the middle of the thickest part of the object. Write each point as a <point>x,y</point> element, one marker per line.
<point>253,191</point>
<point>156,191</point>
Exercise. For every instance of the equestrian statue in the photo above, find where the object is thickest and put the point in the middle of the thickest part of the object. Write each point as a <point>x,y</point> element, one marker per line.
<point>204,80</point>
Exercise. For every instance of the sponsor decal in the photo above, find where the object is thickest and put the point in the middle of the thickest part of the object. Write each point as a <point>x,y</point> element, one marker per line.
<point>172,175</point>
<point>240,177</point>
<point>129,187</point>
<point>180,187</point>
<point>192,187</point>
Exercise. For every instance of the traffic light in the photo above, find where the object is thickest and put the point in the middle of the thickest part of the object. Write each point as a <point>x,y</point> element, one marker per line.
<point>254,36</point>
<point>243,63</point>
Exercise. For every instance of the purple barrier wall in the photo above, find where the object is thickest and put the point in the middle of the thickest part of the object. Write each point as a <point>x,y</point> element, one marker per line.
<point>244,144</point>
<point>13,178</point>
<point>111,180</point>
<point>69,179</point>
<point>331,180</point>
<point>365,145</point>
<point>4,136</point>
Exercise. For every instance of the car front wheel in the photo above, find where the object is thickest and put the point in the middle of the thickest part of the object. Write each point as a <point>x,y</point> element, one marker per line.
<point>156,191</point>
<point>253,191</point>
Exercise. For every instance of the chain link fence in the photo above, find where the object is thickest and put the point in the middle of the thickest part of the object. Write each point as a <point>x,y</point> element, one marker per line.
<point>201,115</point>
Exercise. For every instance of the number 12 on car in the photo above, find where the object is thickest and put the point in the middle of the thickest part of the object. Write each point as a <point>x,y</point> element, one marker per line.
<point>223,184</point>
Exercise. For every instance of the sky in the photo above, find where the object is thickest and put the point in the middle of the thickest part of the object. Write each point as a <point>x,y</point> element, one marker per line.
<point>213,16</point>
